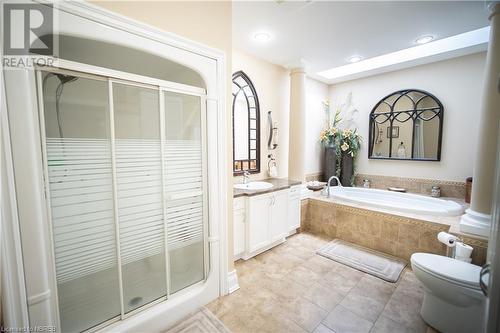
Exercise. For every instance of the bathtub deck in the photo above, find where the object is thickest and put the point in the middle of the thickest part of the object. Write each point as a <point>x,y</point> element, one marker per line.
<point>440,220</point>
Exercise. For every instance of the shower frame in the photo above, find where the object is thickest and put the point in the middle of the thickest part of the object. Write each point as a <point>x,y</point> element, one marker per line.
<point>162,86</point>
<point>28,249</point>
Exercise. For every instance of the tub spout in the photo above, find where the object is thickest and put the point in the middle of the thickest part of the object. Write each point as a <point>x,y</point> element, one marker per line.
<point>328,184</point>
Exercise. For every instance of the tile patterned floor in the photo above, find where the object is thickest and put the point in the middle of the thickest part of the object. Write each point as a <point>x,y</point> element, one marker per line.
<point>291,289</point>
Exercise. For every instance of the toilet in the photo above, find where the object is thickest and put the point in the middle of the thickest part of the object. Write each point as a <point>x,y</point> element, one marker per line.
<point>453,300</point>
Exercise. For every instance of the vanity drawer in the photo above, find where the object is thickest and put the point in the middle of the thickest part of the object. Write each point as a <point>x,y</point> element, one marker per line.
<point>295,191</point>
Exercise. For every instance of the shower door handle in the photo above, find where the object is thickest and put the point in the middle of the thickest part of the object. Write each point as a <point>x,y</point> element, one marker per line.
<point>485,270</point>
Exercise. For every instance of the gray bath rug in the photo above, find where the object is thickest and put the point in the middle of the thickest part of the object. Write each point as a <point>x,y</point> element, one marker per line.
<point>366,260</point>
<point>200,321</point>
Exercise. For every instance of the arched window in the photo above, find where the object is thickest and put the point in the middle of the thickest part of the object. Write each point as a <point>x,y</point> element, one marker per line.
<point>406,125</point>
<point>246,125</point>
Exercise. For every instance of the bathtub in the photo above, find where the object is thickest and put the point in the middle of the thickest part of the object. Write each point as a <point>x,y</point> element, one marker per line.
<point>402,202</point>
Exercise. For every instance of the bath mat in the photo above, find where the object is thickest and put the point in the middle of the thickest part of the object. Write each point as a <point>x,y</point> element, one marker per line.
<point>366,260</point>
<point>200,321</point>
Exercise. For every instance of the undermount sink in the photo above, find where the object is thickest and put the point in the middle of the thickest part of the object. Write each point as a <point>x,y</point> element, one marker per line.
<point>253,186</point>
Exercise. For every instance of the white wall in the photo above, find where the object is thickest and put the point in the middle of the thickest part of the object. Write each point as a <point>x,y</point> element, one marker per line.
<point>457,83</point>
<point>316,93</point>
<point>272,83</point>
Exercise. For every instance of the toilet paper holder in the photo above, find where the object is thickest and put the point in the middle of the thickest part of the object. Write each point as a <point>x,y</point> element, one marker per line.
<point>452,242</point>
<point>448,239</point>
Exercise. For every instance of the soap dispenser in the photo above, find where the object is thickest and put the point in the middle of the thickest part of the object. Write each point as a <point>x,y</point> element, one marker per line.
<point>401,150</point>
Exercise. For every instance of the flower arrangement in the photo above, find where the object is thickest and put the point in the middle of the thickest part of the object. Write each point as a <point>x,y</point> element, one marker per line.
<point>350,142</point>
<point>346,141</point>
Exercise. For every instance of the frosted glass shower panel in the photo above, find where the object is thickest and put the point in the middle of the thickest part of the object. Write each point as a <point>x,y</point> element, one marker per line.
<point>139,194</point>
<point>78,157</point>
<point>184,188</point>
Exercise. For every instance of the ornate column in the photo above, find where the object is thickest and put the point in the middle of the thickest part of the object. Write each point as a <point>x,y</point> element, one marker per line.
<point>296,148</point>
<point>477,219</point>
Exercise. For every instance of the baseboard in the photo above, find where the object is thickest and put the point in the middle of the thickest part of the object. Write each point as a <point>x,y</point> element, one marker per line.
<point>247,255</point>
<point>232,281</point>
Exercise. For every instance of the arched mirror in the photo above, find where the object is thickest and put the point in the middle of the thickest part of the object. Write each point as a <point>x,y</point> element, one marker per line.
<point>406,125</point>
<point>246,126</point>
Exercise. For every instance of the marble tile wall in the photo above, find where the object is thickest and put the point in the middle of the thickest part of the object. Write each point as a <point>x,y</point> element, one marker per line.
<point>414,185</point>
<point>314,176</point>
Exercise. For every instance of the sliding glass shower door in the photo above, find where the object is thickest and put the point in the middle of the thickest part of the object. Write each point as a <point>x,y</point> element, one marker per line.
<point>79,168</point>
<point>126,185</point>
<point>140,194</point>
<point>184,187</point>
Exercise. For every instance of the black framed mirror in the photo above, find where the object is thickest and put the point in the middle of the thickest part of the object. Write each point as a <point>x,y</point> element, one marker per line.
<point>406,125</point>
<point>246,125</point>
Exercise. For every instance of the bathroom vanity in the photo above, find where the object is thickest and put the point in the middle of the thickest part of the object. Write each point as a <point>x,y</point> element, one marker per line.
<point>263,219</point>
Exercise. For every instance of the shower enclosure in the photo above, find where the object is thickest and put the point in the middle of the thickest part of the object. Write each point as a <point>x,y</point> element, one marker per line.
<point>125,181</point>
<point>118,171</point>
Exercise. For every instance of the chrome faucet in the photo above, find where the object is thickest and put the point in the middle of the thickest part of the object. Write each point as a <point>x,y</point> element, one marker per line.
<point>246,177</point>
<point>328,184</point>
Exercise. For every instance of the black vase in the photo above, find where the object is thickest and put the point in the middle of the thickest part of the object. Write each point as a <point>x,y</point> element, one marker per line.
<point>347,169</point>
<point>330,164</point>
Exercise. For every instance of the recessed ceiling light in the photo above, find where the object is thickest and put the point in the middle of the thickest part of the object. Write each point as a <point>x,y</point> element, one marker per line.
<point>262,36</point>
<point>424,39</point>
<point>354,59</point>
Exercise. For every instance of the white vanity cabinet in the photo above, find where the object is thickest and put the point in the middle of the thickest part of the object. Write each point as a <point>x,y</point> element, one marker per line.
<point>263,224</point>
<point>259,217</point>
<point>278,216</point>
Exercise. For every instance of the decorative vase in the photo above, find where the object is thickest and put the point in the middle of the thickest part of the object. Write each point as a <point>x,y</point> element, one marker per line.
<point>347,169</point>
<point>330,163</point>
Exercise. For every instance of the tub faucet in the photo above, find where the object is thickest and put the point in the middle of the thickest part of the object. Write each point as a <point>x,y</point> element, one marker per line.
<point>328,184</point>
<point>246,177</point>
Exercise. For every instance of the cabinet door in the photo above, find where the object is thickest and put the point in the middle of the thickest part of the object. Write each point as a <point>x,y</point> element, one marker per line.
<point>258,222</point>
<point>279,216</point>
<point>239,231</point>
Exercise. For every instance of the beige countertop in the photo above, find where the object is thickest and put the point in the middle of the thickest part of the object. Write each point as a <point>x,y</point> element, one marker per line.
<point>278,184</point>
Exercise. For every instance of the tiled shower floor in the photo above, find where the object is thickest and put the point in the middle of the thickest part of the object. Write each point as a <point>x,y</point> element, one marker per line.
<point>291,289</point>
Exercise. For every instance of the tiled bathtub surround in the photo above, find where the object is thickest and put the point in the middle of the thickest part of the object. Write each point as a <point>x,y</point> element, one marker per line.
<point>397,235</point>
<point>414,185</point>
<point>314,176</point>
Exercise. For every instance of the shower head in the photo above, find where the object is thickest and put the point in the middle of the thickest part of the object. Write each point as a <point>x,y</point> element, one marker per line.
<point>66,78</point>
<point>63,79</point>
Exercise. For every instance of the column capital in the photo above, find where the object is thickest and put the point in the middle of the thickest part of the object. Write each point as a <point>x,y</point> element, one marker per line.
<point>297,66</point>
<point>298,70</point>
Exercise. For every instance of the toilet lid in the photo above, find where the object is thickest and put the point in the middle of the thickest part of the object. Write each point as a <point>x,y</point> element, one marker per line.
<point>448,268</point>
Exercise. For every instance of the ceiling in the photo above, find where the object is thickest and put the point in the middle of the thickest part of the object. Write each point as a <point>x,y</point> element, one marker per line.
<point>325,34</point>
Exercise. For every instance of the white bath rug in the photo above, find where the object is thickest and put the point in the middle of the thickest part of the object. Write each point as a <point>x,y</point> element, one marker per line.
<point>366,260</point>
<point>200,321</point>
